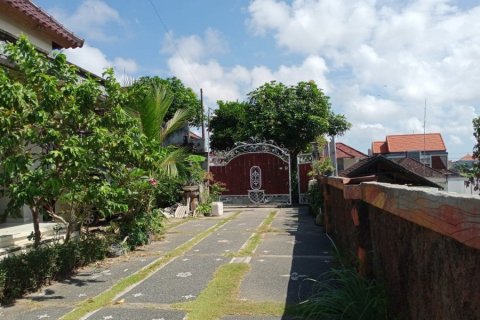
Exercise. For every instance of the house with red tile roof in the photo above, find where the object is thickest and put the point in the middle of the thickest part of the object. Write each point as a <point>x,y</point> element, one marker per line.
<point>347,156</point>
<point>427,148</point>
<point>24,17</point>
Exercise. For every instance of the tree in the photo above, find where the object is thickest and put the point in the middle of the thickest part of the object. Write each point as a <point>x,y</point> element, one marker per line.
<point>228,125</point>
<point>292,116</point>
<point>182,96</point>
<point>45,115</point>
<point>473,174</point>
<point>68,146</point>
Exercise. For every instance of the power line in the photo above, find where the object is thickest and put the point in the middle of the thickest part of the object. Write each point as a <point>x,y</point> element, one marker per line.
<point>164,25</point>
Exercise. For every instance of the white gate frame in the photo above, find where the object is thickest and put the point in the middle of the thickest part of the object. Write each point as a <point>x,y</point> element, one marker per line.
<point>254,146</point>
<point>302,158</point>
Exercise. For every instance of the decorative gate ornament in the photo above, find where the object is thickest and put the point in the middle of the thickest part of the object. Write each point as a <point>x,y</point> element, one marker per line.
<point>255,177</point>
<point>266,165</point>
<point>256,195</point>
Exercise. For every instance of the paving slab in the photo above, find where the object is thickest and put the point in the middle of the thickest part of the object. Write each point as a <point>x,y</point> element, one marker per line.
<point>136,313</point>
<point>257,318</point>
<point>92,280</point>
<point>231,236</point>
<point>281,278</point>
<point>49,313</point>
<point>181,280</point>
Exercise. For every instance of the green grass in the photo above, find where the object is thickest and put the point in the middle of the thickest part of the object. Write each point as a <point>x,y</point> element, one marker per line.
<point>344,294</point>
<point>221,297</point>
<point>107,296</point>
<point>249,248</point>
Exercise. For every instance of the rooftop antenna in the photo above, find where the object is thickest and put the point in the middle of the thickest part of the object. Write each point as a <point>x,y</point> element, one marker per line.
<point>424,136</point>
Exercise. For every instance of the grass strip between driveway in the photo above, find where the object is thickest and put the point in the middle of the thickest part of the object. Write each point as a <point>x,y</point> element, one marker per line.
<point>220,297</point>
<point>249,248</point>
<point>106,297</point>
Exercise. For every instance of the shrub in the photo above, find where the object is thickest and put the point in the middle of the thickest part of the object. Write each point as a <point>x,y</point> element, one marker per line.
<point>204,208</point>
<point>139,228</point>
<point>315,198</point>
<point>344,294</point>
<point>30,270</point>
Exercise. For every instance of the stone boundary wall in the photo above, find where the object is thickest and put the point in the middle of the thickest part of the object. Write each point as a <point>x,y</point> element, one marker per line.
<point>422,243</point>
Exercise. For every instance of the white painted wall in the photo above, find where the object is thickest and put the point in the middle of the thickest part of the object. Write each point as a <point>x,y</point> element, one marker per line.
<point>17,27</point>
<point>457,185</point>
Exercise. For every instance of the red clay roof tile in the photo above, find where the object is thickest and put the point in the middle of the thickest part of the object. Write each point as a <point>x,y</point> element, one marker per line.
<point>379,147</point>
<point>35,14</point>
<point>416,142</point>
<point>345,151</point>
<point>409,142</point>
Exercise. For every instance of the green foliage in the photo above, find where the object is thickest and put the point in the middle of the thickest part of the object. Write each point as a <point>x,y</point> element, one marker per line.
<point>214,191</point>
<point>20,273</point>
<point>320,167</point>
<point>473,174</point>
<point>229,125</point>
<point>72,143</point>
<point>204,208</point>
<point>344,294</point>
<point>141,227</point>
<point>291,116</point>
<point>182,97</point>
<point>315,198</point>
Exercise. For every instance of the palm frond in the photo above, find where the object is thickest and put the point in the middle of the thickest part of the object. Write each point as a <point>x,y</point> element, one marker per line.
<point>169,163</point>
<point>153,110</point>
<point>178,120</point>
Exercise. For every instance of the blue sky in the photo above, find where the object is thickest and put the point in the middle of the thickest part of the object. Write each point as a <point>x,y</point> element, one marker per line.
<point>377,60</point>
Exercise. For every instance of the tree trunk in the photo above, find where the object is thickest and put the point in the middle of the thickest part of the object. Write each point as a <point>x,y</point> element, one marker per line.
<point>36,226</point>
<point>68,233</point>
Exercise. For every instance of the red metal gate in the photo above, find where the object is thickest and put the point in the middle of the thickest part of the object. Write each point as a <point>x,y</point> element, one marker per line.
<point>255,172</point>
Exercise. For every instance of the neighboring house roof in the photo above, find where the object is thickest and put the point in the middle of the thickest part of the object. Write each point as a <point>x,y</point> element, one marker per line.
<point>379,147</point>
<point>35,15</point>
<point>419,168</point>
<point>194,136</point>
<point>409,142</point>
<point>467,157</point>
<point>345,151</point>
<point>387,170</point>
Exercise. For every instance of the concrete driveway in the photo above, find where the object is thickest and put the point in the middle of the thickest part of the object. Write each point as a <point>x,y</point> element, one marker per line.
<point>291,252</point>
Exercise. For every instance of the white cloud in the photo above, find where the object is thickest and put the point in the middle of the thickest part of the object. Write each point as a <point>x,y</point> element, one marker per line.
<point>125,65</point>
<point>398,54</point>
<point>90,20</point>
<point>194,47</point>
<point>192,60</point>
<point>95,61</point>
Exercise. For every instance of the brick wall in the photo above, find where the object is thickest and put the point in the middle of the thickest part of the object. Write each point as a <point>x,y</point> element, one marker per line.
<point>425,245</point>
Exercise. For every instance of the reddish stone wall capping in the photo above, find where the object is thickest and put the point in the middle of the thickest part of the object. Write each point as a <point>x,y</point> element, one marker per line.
<point>454,215</point>
<point>335,182</point>
<point>352,192</point>
<point>424,245</point>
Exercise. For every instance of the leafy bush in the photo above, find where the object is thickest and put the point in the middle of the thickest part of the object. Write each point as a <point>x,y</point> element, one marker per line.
<point>315,198</point>
<point>204,208</point>
<point>344,294</point>
<point>30,270</point>
<point>167,193</point>
<point>141,227</point>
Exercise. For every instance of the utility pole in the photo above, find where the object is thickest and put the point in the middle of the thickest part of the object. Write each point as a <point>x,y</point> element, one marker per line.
<point>203,121</point>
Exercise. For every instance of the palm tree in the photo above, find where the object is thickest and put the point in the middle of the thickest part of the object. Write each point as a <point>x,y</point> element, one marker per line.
<point>151,108</point>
